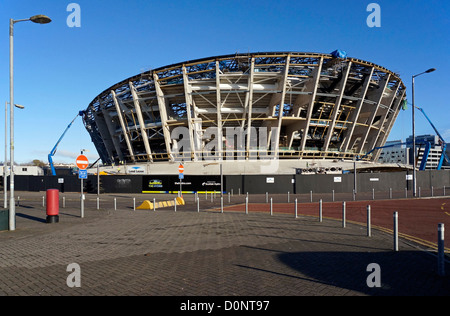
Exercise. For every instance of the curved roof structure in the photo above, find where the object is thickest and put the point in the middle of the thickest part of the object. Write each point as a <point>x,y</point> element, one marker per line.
<point>288,105</point>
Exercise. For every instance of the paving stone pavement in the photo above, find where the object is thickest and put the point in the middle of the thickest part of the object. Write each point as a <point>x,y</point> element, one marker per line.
<point>186,253</point>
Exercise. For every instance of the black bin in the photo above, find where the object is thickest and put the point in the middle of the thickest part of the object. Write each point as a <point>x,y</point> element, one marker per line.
<point>4,219</point>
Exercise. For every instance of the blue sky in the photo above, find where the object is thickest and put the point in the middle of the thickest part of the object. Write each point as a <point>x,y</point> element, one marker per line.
<point>59,70</point>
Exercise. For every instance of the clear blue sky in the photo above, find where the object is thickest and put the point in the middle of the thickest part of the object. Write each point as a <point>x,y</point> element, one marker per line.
<point>59,70</point>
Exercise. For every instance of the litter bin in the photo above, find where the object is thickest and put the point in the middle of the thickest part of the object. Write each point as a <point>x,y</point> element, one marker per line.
<point>52,206</point>
<point>4,219</point>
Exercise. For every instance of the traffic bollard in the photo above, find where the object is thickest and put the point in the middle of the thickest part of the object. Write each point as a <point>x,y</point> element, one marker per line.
<point>343,214</point>
<point>395,231</point>
<point>320,210</point>
<point>296,208</point>
<point>441,255</point>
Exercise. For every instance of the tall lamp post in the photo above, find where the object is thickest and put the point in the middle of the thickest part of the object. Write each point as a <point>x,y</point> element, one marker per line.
<point>40,19</point>
<point>414,131</point>
<point>5,164</point>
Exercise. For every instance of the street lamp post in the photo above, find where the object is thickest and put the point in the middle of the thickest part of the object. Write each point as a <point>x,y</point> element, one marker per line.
<point>40,19</point>
<point>414,131</point>
<point>5,164</point>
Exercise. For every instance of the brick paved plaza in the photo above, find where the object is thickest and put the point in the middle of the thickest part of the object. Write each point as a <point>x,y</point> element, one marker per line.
<point>185,253</point>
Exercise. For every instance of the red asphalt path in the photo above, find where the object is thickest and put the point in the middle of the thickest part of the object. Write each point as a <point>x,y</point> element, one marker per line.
<point>418,219</point>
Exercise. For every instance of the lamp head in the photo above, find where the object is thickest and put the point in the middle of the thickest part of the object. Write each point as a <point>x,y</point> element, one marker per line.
<point>40,19</point>
<point>430,70</point>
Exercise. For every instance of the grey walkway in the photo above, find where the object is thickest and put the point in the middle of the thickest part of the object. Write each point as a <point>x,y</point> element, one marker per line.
<point>126,252</point>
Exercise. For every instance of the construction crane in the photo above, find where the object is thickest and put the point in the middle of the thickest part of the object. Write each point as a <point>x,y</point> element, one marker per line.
<point>441,143</point>
<point>387,146</point>
<point>427,147</point>
<point>52,153</point>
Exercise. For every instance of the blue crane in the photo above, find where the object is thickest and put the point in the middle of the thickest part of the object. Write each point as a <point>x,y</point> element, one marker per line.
<point>387,146</point>
<point>441,143</point>
<point>427,147</point>
<point>52,153</point>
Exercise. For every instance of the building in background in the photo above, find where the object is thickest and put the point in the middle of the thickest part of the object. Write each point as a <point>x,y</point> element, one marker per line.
<point>397,153</point>
<point>30,170</point>
<point>401,152</point>
<point>434,154</point>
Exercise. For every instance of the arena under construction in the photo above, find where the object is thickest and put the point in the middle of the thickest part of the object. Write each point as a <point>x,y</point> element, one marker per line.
<point>308,111</point>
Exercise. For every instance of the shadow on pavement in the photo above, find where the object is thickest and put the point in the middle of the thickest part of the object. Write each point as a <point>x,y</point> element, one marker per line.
<point>404,273</point>
<point>401,273</point>
<point>33,218</point>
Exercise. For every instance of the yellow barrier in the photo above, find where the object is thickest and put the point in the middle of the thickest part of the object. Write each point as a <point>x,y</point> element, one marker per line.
<point>147,205</point>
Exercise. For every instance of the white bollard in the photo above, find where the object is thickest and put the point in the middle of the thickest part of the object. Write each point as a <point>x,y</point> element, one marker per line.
<point>441,255</point>
<point>320,210</point>
<point>395,231</point>
<point>343,214</point>
<point>295,208</point>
